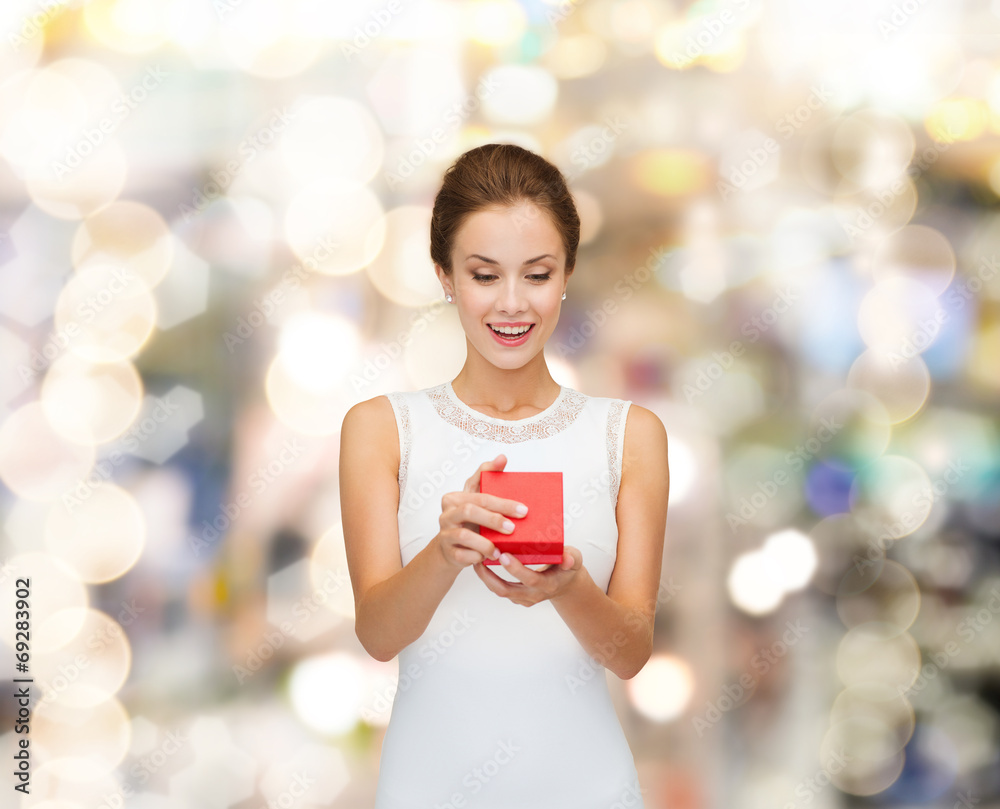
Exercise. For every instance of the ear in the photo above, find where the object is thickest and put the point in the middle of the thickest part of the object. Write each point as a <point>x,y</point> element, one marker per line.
<point>445,279</point>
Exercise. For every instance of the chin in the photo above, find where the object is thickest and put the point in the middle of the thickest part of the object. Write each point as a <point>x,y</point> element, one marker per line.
<point>507,361</point>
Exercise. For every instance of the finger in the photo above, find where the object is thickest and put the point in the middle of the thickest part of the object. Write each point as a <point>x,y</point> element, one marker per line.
<point>519,571</point>
<point>471,540</point>
<point>488,576</point>
<point>572,558</point>
<point>472,484</point>
<point>500,587</point>
<point>463,557</point>
<point>501,505</point>
<point>497,464</point>
<point>470,512</point>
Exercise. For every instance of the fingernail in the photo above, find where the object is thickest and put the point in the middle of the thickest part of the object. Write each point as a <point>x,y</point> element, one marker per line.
<point>496,553</point>
<point>521,510</point>
<point>508,525</point>
<point>505,559</point>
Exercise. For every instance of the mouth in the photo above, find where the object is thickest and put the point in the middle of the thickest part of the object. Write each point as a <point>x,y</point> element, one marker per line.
<point>511,335</point>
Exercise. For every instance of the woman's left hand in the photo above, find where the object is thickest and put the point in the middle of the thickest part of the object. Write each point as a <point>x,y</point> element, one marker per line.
<point>533,586</point>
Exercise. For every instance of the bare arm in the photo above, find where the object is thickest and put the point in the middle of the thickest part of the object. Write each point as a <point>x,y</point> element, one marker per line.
<point>395,603</point>
<point>617,628</point>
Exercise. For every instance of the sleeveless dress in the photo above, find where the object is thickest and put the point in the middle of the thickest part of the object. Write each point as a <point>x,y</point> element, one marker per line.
<point>498,706</point>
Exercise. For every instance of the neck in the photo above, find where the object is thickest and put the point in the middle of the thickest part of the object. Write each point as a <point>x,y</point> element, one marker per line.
<point>504,391</point>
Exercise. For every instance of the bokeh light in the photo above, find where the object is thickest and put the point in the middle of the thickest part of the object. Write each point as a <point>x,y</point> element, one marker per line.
<point>335,227</point>
<point>91,403</point>
<point>663,689</point>
<point>128,234</point>
<point>37,462</point>
<point>107,311</point>
<point>100,536</point>
<point>326,692</point>
<point>214,241</point>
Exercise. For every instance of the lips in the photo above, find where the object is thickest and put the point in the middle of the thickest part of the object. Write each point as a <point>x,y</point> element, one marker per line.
<point>517,331</point>
<point>511,340</point>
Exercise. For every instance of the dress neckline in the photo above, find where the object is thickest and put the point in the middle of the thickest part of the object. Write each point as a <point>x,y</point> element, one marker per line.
<point>450,391</point>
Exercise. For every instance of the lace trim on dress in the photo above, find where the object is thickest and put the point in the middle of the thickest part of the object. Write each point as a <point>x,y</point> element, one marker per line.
<point>552,421</point>
<point>614,422</point>
<point>405,436</point>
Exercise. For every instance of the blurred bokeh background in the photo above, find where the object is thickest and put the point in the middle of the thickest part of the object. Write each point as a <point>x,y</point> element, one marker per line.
<point>214,240</point>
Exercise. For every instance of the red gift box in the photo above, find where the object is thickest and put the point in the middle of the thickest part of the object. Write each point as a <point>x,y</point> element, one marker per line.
<point>537,537</point>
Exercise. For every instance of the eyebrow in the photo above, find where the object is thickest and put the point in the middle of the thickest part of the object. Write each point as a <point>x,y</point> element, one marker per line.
<point>497,263</point>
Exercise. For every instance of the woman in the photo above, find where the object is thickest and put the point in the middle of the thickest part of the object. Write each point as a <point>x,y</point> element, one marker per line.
<point>497,705</point>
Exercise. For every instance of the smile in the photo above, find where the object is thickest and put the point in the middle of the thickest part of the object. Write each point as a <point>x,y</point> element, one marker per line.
<point>512,335</point>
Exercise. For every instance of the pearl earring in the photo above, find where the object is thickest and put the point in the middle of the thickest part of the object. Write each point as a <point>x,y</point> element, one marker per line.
<point>448,298</point>
<point>564,296</point>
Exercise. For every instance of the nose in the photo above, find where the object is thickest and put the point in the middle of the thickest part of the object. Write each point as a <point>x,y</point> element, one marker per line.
<point>511,299</point>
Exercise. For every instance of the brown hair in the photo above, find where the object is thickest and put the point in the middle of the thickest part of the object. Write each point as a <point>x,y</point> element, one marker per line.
<point>501,175</point>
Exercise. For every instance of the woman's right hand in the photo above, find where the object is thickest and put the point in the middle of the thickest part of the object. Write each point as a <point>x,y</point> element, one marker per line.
<point>462,512</point>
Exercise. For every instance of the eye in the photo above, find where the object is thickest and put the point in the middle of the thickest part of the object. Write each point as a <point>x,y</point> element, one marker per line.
<point>540,278</point>
<point>477,277</point>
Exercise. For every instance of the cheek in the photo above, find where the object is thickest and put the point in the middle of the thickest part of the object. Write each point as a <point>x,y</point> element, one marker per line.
<point>550,307</point>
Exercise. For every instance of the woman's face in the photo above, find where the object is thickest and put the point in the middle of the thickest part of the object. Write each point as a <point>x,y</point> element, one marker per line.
<point>508,273</point>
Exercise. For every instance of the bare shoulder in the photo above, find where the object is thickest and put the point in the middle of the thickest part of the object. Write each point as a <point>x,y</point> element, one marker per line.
<point>377,410</point>
<point>645,448</point>
<point>371,424</point>
<point>643,426</point>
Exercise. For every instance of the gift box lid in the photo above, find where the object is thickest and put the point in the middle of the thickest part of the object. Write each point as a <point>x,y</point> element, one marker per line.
<point>539,534</point>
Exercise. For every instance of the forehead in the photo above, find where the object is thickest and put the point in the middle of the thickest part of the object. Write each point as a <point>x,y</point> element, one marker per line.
<point>525,223</point>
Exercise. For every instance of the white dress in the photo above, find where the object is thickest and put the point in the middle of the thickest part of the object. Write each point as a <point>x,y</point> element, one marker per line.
<point>498,706</point>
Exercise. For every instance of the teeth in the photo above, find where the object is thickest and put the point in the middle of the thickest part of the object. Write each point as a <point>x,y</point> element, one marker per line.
<point>510,329</point>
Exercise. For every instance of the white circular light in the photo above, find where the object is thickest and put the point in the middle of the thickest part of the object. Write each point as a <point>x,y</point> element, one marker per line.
<point>792,558</point>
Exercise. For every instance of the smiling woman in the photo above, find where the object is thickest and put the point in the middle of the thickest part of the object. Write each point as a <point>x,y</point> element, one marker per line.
<point>509,710</point>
